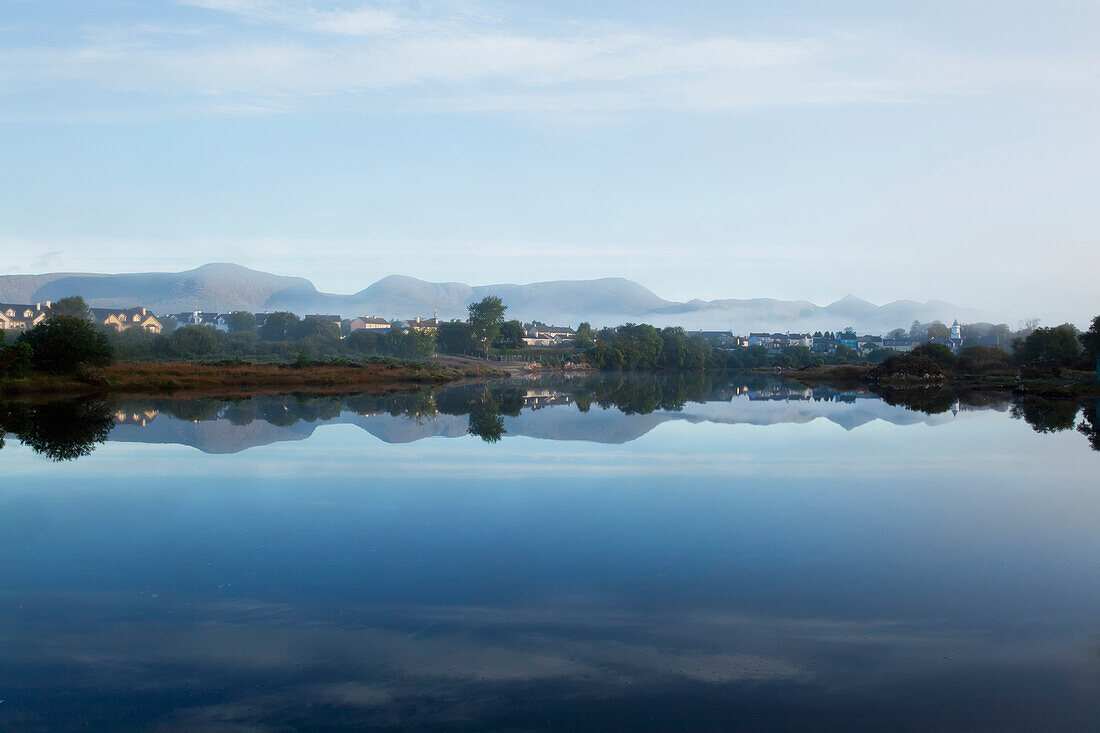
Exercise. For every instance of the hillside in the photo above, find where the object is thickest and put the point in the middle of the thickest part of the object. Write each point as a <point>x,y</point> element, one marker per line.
<point>227,287</point>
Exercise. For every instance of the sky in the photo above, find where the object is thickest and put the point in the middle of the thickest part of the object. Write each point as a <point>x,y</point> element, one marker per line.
<point>795,150</point>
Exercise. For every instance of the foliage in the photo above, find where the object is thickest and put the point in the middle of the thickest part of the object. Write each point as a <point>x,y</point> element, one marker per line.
<point>279,326</point>
<point>455,338</point>
<point>192,341</point>
<point>1056,346</point>
<point>937,331</point>
<point>1090,340</point>
<point>584,338</point>
<point>16,360</point>
<point>65,344</point>
<point>486,317</point>
<point>240,321</point>
<point>511,335</point>
<point>939,353</point>
<point>72,305</point>
<point>984,360</point>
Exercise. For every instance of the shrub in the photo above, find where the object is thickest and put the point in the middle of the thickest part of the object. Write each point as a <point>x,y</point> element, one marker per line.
<point>65,344</point>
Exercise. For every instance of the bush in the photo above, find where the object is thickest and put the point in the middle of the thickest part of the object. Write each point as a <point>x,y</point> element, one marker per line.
<point>65,344</point>
<point>985,360</point>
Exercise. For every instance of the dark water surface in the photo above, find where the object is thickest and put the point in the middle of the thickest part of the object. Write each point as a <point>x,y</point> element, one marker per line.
<point>596,554</point>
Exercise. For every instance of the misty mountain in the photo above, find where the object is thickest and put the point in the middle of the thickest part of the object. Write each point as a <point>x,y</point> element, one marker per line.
<point>606,301</point>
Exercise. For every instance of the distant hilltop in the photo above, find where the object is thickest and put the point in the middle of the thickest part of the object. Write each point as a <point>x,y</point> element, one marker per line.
<point>606,301</point>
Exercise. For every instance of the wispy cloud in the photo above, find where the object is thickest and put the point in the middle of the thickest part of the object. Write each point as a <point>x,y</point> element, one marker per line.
<point>260,57</point>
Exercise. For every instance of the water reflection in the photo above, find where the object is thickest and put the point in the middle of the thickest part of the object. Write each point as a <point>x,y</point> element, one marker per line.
<point>551,407</point>
<point>61,431</point>
<point>709,554</point>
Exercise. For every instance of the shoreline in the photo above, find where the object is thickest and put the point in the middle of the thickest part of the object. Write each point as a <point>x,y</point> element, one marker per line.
<point>233,380</point>
<point>1078,385</point>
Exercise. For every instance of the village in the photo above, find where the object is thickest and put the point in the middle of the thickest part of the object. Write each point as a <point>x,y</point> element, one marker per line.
<point>23,317</point>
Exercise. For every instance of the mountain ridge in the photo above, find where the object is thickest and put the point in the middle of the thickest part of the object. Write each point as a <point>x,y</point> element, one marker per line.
<point>604,301</point>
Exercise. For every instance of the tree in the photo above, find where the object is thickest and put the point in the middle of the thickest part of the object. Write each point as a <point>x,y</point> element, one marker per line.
<point>1090,339</point>
<point>317,329</point>
<point>584,338</point>
<point>15,360</point>
<point>512,334</point>
<point>939,353</point>
<point>65,344</point>
<point>486,317</point>
<point>279,326</point>
<point>241,322</point>
<point>193,341</point>
<point>73,306</point>
<point>455,338</point>
<point>937,331</point>
<point>1056,346</point>
<point>897,333</point>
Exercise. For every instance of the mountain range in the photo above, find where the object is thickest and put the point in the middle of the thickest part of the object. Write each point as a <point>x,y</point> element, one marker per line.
<point>226,287</point>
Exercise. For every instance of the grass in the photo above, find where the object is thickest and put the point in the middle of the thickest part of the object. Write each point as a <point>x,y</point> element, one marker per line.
<point>232,379</point>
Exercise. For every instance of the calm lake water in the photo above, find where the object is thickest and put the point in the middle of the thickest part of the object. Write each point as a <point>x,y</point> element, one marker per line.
<point>592,554</point>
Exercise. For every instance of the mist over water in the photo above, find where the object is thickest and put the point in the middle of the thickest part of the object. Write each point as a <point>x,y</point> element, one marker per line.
<point>704,553</point>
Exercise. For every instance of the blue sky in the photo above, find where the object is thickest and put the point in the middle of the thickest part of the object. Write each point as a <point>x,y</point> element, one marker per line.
<point>789,150</point>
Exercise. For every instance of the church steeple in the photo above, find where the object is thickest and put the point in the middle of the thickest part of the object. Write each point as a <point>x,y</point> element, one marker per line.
<point>956,331</point>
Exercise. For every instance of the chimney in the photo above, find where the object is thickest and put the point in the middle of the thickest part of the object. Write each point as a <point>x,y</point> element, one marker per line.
<point>38,306</point>
<point>47,304</point>
<point>143,311</point>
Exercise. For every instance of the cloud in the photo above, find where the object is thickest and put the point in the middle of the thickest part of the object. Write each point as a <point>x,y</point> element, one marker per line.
<point>274,57</point>
<point>46,260</point>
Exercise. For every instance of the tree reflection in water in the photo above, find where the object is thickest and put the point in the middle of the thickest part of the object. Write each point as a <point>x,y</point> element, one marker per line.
<point>61,431</point>
<point>66,430</point>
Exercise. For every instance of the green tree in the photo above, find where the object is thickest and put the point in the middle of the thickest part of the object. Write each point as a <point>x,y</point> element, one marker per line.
<point>279,326</point>
<point>65,344</point>
<point>193,342</point>
<point>16,360</point>
<point>939,353</point>
<point>1057,346</point>
<point>72,305</point>
<point>486,317</point>
<point>584,338</point>
<point>937,331</point>
<point>511,335</point>
<point>241,322</point>
<point>455,338</point>
<point>318,329</point>
<point>1090,340</point>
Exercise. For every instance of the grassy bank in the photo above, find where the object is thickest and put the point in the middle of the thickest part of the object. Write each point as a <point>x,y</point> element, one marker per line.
<point>243,379</point>
<point>1071,384</point>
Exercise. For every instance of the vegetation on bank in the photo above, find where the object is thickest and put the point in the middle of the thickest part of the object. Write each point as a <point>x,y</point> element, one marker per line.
<point>1055,361</point>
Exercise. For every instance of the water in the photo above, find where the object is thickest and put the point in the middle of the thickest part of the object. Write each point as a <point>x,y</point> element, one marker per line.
<point>601,554</point>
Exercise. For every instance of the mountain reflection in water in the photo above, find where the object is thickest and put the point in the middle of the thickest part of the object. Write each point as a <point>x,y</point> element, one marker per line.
<point>707,553</point>
<point>604,408</point>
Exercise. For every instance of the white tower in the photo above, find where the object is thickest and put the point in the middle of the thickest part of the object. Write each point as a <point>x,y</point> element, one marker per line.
<point>956,331</point>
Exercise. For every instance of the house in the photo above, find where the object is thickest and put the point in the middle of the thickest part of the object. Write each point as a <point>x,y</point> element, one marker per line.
<point>368,323</point>
<point>327,318</point>
<point>823,345</point>
<point>424,324</point>
<point>539,334</point>
<point>848,339</point>
<point>123,319</point>
<point>868,342</point>
<point>720,339</point>
<point>904,344</point>
<point>217,321</point>
<point>14,317</point>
